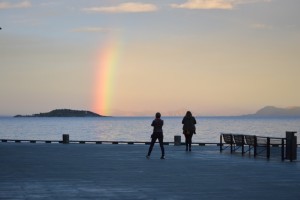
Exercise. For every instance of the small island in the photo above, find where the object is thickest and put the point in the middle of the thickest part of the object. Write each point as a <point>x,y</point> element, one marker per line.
<point>64,113</point>
<point>272,111</point>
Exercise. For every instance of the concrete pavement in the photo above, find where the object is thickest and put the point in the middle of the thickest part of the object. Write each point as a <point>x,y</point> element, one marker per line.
<point>106,171</point>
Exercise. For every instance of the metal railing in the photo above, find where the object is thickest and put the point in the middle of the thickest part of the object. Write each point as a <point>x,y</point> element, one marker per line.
<point>100,142</point>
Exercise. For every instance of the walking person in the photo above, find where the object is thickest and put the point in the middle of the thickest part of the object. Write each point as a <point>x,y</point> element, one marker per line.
<point>157,124</point>
<point>189,129</point>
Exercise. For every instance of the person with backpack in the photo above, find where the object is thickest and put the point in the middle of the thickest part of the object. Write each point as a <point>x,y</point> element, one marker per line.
<point>189,129</point>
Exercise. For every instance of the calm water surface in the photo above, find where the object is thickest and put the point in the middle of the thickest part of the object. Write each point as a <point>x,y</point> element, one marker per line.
<point>139,129</point>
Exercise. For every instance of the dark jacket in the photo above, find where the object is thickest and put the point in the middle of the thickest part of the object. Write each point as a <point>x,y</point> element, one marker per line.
<point>157,125</point>
<point>189,123</point>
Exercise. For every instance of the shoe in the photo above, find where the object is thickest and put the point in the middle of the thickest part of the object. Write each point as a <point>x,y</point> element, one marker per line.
<point>162,157</point>
<point>147,157</point>
<point>190,149</point>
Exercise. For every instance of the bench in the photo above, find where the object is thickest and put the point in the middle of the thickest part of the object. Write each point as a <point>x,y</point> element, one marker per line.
<point>239,142</point>
<point>258,144</point>
<point>228,139</point>
<point>234,141</point>
<point>251,142</point>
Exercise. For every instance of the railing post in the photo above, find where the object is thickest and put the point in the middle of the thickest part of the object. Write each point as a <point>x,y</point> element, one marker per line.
<point>268,147</point>
<point>282,149</point>
<point>177,140</point>
<point>65,138</point>
<point>243,144</point>
<point>255,145</point>
<point>221,148</point>
<point>231,143</point>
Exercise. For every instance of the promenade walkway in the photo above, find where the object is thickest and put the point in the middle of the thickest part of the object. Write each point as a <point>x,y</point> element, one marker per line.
<point>106,171</point>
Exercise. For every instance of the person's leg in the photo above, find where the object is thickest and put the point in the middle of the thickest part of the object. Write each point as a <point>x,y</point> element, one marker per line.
<point>190,141</point>
<point>188,137</point>
<point>151,146</point>
<point>161,143</point>
<point>186,141</point>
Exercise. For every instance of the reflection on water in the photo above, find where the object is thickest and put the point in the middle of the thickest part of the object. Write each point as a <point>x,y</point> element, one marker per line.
<point>139,129</point>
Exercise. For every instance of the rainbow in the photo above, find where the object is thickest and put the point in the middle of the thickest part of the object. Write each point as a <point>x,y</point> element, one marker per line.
<point>105,72</point>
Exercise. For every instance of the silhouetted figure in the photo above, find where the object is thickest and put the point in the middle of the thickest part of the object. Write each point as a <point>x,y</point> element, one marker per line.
<point>157,124</point>
<point>189,129</point>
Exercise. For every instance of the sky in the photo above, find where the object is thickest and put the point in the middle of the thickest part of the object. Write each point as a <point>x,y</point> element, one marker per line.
<point>135,58</point>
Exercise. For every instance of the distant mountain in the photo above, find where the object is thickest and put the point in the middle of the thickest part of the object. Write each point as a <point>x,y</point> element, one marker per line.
<point>64,113</point>
<point>271,111</point>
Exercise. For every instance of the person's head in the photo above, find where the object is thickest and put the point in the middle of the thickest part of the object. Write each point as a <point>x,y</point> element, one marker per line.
<point>157,115</point>
<point>188,114</point>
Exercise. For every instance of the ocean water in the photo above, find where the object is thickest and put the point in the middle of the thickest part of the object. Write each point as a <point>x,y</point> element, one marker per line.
<point>139,129</point>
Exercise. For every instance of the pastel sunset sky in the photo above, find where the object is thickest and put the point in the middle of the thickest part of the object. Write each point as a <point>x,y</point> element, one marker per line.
<point>128,58</point>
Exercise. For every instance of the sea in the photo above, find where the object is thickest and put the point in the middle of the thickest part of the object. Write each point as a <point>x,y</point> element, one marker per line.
<point>138,129</point>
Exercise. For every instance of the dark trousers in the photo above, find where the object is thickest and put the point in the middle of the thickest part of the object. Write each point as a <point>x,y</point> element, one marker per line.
<point>188,140</point>
<point>160,138</point>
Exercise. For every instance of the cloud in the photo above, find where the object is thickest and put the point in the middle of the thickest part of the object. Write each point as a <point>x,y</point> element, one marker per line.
<point>205,4</point>
<point>129,7</point>
<point>92,30</point>
<point>261,26</point>
<point>9,5</point>
<point>214,4</point>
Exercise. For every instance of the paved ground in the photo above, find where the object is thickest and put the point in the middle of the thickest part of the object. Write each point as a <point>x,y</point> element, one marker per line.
<point>105,171</point>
